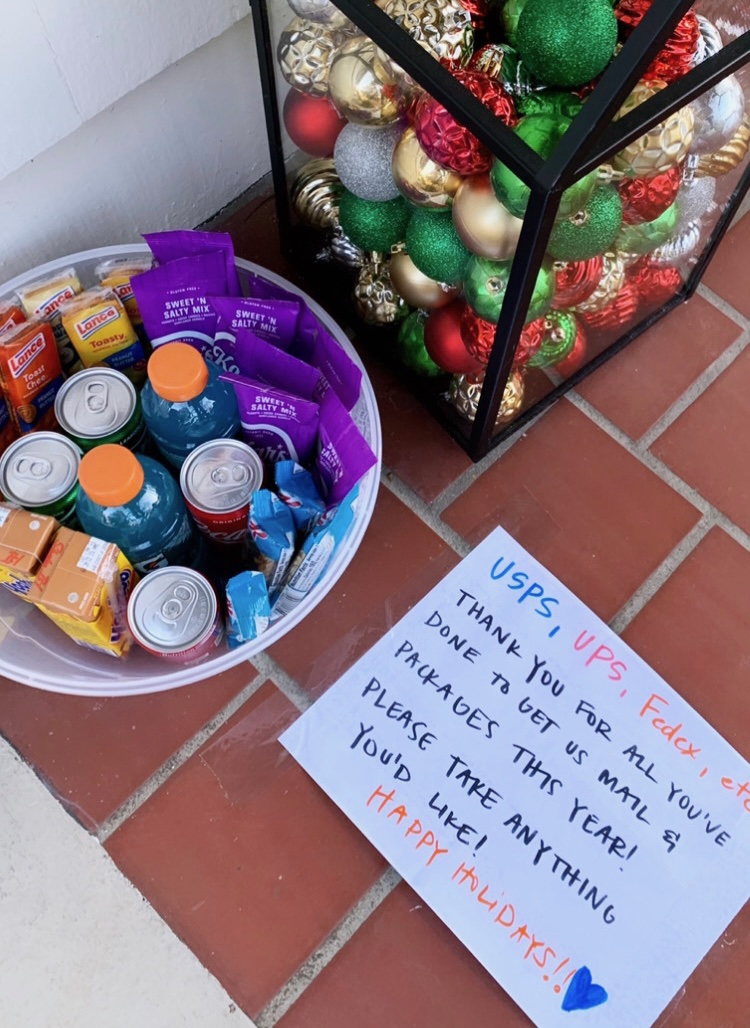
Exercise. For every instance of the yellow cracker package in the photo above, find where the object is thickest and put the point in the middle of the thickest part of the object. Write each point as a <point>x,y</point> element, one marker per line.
<point>25,539</point>
<point>44,299</point>
<point>116,273</point>
<point>83,586</point>
<point>102,334</point>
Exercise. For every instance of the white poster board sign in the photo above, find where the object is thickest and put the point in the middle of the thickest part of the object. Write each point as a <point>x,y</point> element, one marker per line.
<point>574,822</point>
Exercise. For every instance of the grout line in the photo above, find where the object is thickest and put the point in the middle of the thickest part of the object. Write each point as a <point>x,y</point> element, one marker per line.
<point>178,758</point>
<point>424,511</point>
<point>331,946</point>
<point>286,684</point>
<point>723,305</point>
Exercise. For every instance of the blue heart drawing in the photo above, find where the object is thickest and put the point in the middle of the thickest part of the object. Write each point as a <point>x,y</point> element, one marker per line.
<point>582,994</point>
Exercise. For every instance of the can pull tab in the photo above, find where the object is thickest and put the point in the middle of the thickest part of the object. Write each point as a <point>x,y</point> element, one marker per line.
<point>96,407</point>
<point>228,477</point>
<point>32,469</point>
<point>175,607</point>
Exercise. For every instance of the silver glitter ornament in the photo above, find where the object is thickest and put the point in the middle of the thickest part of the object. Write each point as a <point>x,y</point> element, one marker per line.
<point>320,10</point>
<point>695,199</point>
<point>717,114</point>
<point>362,156</point>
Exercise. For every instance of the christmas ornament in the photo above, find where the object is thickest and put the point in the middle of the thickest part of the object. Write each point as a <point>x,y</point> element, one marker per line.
<point>315,192</point>
<point>677,56</point>
<point>448,142</point>
<point>342,250</point>
<point>443,342</point>
<point>362,85</point>
<point>312,123</point>
<point>616,315</point>
<point>511,13</point>
<point>498,60</point>
<point>663,146</point>
<point>590,231</point>
<point>729,156</point>
<point>370,224</point>
<point>417,289</point>
<point>434,246</point>
<point>717,115</point>
<point>442,27</point>
<point>644,199</point>
<point>679,247</point>
<point>375,299</point>
<point>411,346</point>
<point>304,54</point>
<point>320,10</point>
<point>560,332</point>
<point>465,391</point>
<point>695,199</point>
<point>484,226</point>
<point>478,11</point>
<point>575,359</point>
<point>363,160</point>
<point>609,285</point>
<point>422,181</point>
<point>709,40</point>
<point>575,281</point>
<point>566,44</point>
<point>479,337</point>
<point>654,284</point>
<point>639,239</point>
<point>550,101</point>
<point>485,283</point>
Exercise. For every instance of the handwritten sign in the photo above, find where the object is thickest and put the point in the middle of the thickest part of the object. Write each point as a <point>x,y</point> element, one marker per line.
<point>572,819</point>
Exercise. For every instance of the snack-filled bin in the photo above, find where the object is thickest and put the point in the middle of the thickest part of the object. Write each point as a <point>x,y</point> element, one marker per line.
<point>33,650</point>
<point>501,194</point>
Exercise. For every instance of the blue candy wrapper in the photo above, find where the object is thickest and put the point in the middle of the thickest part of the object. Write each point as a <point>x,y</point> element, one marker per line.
<point>297,489</point>
<point>248,608</point>
<point>271,526</point>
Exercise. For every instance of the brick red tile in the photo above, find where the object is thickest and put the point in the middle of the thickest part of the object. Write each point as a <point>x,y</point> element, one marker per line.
<point>93,752</point>
<point>399,560</point>
<point>727,273</point>
<point>637,386</point>
<point>709,444</point>
<point>244,857</point>
<point>581,504</point>
<point>404,969</point>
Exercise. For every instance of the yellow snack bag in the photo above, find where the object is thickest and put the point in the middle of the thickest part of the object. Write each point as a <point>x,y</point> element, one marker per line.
<point>101,332</point>
<point>43,299</point>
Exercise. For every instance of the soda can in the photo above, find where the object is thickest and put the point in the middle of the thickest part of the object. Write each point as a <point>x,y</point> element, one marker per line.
<point>217,480</point>
<point>39,471</point>
<point>100,405</point>
<point>174,614</point>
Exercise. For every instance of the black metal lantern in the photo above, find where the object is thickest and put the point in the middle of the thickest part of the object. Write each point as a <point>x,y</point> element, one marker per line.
<point>656,271</point>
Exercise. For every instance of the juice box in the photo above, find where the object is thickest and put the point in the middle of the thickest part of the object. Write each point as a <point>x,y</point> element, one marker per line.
<point>43,299</point>
<point>101,332</point>
<point>25,539</point>
<point>83,586</point>
<point>30,375</point>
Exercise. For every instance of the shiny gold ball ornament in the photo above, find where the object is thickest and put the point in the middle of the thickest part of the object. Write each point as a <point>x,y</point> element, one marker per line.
<point>375,299</point>
<point>441,27</point>
<point>416,288</point>
<point>421,180</point>
<point>610,284</point>
<point>729,156</point>
<point>483,224</point>
<point>465,391</point>
<point>663,146</point>
<point>305,52</point>
<point>362,84</point>
<point>315,193</point>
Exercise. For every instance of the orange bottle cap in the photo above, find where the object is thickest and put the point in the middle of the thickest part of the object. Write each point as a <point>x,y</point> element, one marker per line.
<point>110,475</point>
<point>177,372</point>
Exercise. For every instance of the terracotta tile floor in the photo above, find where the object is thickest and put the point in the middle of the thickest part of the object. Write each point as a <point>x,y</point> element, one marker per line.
<point>633,490</point>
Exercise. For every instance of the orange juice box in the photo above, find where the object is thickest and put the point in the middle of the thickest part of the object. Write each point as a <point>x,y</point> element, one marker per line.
<point>83,586</point>
<point>10,315</point>
<point>25,539</point>
<point>31,375</point>
<point>116,273</point>
<point>101,332</point>
<point>44,299</point>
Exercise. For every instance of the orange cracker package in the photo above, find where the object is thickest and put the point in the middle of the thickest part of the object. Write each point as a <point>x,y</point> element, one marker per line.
<point>83,586</point>
<point>102,334</point>
<point>10,315</point>
<point>116,273</point>
<point>25,539</point>
<point>31,375</point>
<point>44,299</point>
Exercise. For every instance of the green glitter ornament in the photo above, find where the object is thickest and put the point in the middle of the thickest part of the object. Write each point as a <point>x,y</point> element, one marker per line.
<point>512,10</point>
<point>541,132</point>
<point>485,282</point>
<point>590,231</point>
<point>411,346</point>
<point>434,245</point>
<point>566,43</point>
<point>551,101</point>
<point>373,224</point>
<point>560,332</point>
<point>643,238</point>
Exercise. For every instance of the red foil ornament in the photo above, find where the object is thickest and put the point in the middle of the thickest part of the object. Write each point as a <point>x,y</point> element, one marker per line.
<point>575,359</point>
<point>676,57</point>
<point>615,315</point>
<point>313,123</point>
<point>575,281</point>
<point>644,199</point>
<point>530,341</point>
<point>655,283</point>
<point>479,337</point>
<point>478,11</point>
<point>444,343</point>
<point>447,142</point>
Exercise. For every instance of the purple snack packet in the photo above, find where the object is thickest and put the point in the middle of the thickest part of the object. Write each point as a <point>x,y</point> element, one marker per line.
<point>343,453</point>
<point>263,362</point>
<point>170,246</point>
<point>274,320</point>
<point>172,300</point>
<point>278,425</point>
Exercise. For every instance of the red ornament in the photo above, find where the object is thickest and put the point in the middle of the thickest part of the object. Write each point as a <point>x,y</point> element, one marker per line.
<point>644,199</point>
<point>313,123</point>
<point>655,283</point>
<point>447,142</point>
<point>676,57</point>
<point>615,315</point>
<point>443,341</point>
<point>575,359</point>
<point>575,281</point>
<point>530,341</point>
<point>479,337</point>
<point>478,11</point>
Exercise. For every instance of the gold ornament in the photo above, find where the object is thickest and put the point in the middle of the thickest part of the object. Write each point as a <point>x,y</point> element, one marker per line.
<point>610,284</point>
<point>483,225</point>
<point>421,180</point>
<point>362,84</point>
<point>465,390</point>
<point>729,156</point>
<point>441,27</point>
<point>663,146</point>
<point>315,193</point>
<point>417,289</point>
<point>305,52</point>
<point>375,299</point>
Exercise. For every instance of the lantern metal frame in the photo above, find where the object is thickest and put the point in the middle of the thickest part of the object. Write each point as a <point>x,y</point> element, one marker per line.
<point>591,139</point>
